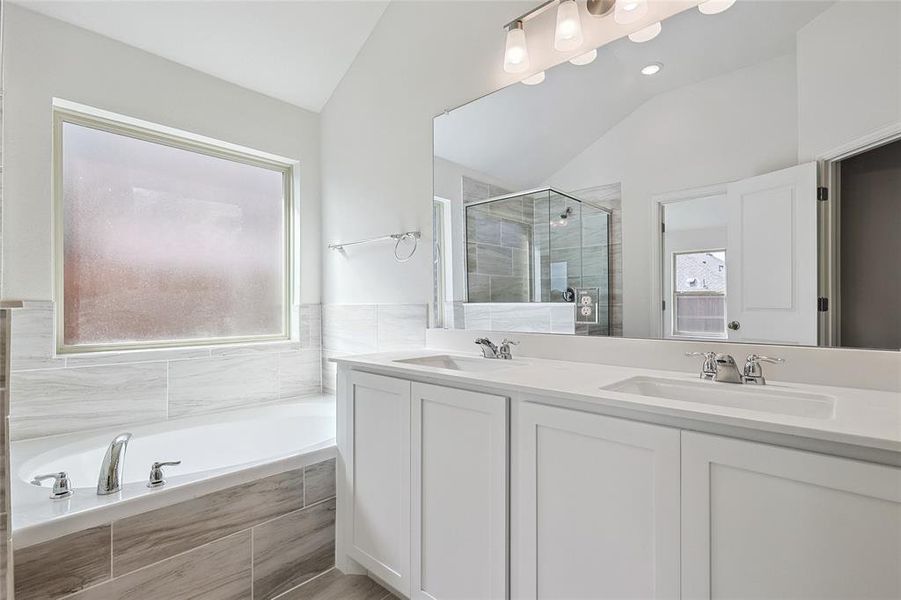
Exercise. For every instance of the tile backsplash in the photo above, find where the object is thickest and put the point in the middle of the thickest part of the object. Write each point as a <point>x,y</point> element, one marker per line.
<point>53,394</point>
<point>365,328</point>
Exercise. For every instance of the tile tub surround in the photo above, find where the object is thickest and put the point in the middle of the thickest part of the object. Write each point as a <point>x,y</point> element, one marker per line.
<point>362,328</point>
<point>262,537</point>
<point>55,394</point>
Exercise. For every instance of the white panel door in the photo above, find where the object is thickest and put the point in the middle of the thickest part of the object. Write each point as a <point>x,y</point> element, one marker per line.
<point>771,259</point>
<point>597,507</point>
<point>379,476</point>
<point>761,521</point>
<point>459,507</point>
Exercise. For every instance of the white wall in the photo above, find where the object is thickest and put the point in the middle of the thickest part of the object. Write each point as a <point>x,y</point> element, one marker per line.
<point>421,59</point>
<point>719,130</point>
<point>45,58</point>
<point>849,75</point>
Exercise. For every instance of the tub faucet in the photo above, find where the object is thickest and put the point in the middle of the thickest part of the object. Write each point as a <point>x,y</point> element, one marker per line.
<point>112,470</point>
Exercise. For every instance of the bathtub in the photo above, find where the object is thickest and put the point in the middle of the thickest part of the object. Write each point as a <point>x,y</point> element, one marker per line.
<point>217,451</point>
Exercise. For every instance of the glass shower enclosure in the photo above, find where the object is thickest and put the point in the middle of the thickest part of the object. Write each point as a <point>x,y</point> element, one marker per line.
<point>540,246</point>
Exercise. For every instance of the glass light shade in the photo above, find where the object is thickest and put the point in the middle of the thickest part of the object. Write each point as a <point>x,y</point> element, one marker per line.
<point>568,35</point>
<point>646,34</point>
<point>630,11</point>
<point>712,7</point>
<point>516,55</point>
<point>584,59</point>
<point>534,79</point>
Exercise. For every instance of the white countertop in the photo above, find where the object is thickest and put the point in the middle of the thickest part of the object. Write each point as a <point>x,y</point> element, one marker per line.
<point>864,418</point>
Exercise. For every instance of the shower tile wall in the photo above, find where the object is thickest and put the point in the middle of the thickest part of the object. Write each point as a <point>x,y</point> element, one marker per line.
<point>498,245</point>
<point>55,394</point>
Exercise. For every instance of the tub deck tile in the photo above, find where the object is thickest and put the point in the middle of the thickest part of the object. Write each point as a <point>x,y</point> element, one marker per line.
<point>62,566</point>
<point>149,537</point>
<point>319,482</point>
<point>217,571</point>
<point>292,549</point>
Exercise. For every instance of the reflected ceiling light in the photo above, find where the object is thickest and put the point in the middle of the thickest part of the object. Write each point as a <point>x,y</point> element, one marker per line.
<point>651,69</point>
<point>630,11</point>
<point>584,59</point>
<point>568,35</point>
<point>516,55</point>
<point>534,79</point>
<point>646,34</point>
<point>713,7</point>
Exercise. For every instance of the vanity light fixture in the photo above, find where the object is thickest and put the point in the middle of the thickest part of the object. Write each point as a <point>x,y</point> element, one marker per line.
<point>651,69</point>
<point>568,34</point>
<point>584,59</point>
<point>516,54</point>
<point>646,34</point>
<point>627,12</point>
<point>534,79</point>
<point>714,7</point>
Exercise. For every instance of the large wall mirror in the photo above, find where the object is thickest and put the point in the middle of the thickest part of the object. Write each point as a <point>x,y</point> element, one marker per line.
<point>737,177</point>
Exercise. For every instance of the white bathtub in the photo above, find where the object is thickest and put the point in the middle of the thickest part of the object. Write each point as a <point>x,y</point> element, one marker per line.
<point>217,451</point>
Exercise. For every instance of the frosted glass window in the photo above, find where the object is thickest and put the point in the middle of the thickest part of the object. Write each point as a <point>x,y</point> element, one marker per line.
<point>164,245</point>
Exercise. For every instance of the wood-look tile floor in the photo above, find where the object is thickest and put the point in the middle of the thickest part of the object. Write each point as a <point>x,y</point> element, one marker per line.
<point>334,585</point>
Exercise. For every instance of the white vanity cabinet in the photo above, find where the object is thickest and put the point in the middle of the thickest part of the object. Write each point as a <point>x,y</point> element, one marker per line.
<point>596,506</point>
<point>761,521</point>
<point>459,502</point>
<point>375,432</point>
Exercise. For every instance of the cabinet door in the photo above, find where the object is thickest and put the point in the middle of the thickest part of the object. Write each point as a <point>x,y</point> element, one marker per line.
<point>459,542</point>
<point>378,473</point>
<point>761,521</point>
<point>597,507</point>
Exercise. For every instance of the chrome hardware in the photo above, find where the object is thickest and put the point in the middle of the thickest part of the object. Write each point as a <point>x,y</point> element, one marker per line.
<point>62,485</point>
<point>504,351</point>
<point>489,350</point>
<point>708,369</point>
<point>112,470</point>
<point>718,367</point>
<point>734,325</point>
<point>753,373</point>
<point>156,473</point>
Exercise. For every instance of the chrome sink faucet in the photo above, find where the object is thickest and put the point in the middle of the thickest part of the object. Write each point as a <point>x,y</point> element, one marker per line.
<point>722,368</point>
<point>491,350</point>
<point>112,470</point>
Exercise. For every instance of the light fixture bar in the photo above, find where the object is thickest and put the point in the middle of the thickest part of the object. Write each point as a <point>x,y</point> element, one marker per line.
<point>532,13</point>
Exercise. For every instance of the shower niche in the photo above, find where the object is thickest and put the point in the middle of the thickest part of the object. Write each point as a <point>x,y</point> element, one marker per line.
<point>545,248</point>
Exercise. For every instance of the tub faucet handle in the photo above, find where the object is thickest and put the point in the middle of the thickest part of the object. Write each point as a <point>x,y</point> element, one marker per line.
<point>62,485</point>
<point>156,473</point>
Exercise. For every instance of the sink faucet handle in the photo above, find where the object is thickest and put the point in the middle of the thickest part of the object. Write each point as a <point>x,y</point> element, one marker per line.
<point>156,473</point>
<point>753,373</point>
<point>62,485</point>
<point>504,350</point>
<point>708,369</point>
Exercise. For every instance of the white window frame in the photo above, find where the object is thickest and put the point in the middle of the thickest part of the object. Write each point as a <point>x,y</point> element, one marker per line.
<point>78,114</point>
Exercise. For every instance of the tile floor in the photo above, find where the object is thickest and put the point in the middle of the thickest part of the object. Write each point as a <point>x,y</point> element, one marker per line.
<point>334,585</point>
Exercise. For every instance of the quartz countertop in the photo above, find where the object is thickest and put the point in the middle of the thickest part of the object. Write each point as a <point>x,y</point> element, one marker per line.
<point>863,418</point>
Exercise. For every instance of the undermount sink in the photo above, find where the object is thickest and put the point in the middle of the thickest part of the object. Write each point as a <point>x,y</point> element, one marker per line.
<point>759,398</point>
<point>458,363</point>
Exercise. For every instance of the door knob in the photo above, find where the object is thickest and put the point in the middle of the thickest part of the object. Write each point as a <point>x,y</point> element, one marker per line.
<point>734,325</point>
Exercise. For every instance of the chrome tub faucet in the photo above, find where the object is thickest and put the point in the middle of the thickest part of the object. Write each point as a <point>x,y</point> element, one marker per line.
<point>112,470</point>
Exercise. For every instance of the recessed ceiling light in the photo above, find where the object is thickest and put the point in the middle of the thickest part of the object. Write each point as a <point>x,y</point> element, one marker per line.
<point>651,69</point>
<point>534,79</point>
<point>646,34</point>
<point>712,7</point>
<point>584,59</point>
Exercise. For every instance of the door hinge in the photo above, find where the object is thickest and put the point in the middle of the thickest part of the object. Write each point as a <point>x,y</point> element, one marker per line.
<point>662,227</point>
<point>663,307</point>
<point>822,194</point>
<point>822,304</point>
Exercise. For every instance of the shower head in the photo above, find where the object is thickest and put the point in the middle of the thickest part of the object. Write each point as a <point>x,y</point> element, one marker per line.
<point>566,213</point>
